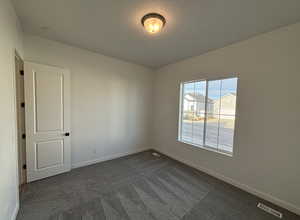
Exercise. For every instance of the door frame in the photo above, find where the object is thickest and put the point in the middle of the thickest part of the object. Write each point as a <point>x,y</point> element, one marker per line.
<point>20,157</point>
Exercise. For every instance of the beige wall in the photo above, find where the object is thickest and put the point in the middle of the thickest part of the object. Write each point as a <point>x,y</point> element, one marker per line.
<point>10,39</point>
<point>110,114</point>
<point>266,149</point>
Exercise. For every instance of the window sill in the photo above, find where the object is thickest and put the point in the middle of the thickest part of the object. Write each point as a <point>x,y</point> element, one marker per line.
<point>208,148</point>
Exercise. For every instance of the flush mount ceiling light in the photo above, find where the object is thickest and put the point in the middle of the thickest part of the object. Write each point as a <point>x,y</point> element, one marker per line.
<point>153,22</point>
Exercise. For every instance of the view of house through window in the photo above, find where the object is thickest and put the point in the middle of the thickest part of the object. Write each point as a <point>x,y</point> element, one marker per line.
<point>207,113</point>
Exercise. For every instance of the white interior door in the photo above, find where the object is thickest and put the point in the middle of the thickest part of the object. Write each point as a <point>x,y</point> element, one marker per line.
<point>47,108</point>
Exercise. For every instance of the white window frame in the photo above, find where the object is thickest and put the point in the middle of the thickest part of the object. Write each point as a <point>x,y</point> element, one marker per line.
<point>206,147</point>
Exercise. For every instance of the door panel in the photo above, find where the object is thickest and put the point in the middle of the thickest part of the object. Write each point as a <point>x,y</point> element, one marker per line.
<point>49,154</point>
<point>49,101</point>
<point>47,105</point>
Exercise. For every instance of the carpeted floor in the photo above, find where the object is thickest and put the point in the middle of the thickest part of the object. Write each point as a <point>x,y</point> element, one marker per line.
<point>139,187</point>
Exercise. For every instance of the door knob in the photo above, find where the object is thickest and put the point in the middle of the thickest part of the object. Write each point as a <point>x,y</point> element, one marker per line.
<point>67,134</point>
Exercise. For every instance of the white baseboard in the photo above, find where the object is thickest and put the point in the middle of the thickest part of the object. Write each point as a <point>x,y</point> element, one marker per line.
<point>291,207</point>
<point>15,213</point>
<point>105,158</point>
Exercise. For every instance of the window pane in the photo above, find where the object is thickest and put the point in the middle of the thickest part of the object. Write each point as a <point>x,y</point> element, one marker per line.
<point>188,112</point>
<point>198,120</point>
<point>211,136</point>
<point>193,116</point>
<point>200,91</point>
<point>198,129</point>
<point>226,133</point>
<point>228,96</point>
<point>188,97</point>
<point>187,127</point>
<point>213,97</point>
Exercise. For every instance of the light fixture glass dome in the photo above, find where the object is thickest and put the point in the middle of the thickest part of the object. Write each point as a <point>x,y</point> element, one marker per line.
<point>153,22</point>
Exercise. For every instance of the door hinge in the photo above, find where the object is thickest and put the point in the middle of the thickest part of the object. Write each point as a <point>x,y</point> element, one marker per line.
<point>22,72</point>
<point>23,104</point>
<point>24,167</point>
<point>24,136</point>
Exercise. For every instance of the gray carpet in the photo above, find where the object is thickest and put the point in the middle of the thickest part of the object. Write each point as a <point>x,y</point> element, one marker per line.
<point>139,187</point>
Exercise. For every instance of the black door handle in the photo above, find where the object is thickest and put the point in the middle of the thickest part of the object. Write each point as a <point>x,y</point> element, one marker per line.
<point>67,134</point>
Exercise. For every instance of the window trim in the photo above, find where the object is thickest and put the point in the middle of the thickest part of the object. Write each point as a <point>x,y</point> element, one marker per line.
<point>204,146</point>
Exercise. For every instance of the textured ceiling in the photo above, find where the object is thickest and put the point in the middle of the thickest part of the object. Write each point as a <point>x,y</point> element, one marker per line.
<point>113,28</point>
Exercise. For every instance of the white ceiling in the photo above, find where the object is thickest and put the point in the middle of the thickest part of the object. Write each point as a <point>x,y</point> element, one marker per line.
<point>113,28</point>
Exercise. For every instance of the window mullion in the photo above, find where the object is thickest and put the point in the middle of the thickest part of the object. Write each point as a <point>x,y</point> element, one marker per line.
<point>181,109</point>
<point>219,114</point>
<point>205,112</point>
<point>193,118</point>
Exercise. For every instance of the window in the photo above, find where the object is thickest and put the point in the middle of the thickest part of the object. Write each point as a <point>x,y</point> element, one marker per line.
<point>207,113</point>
